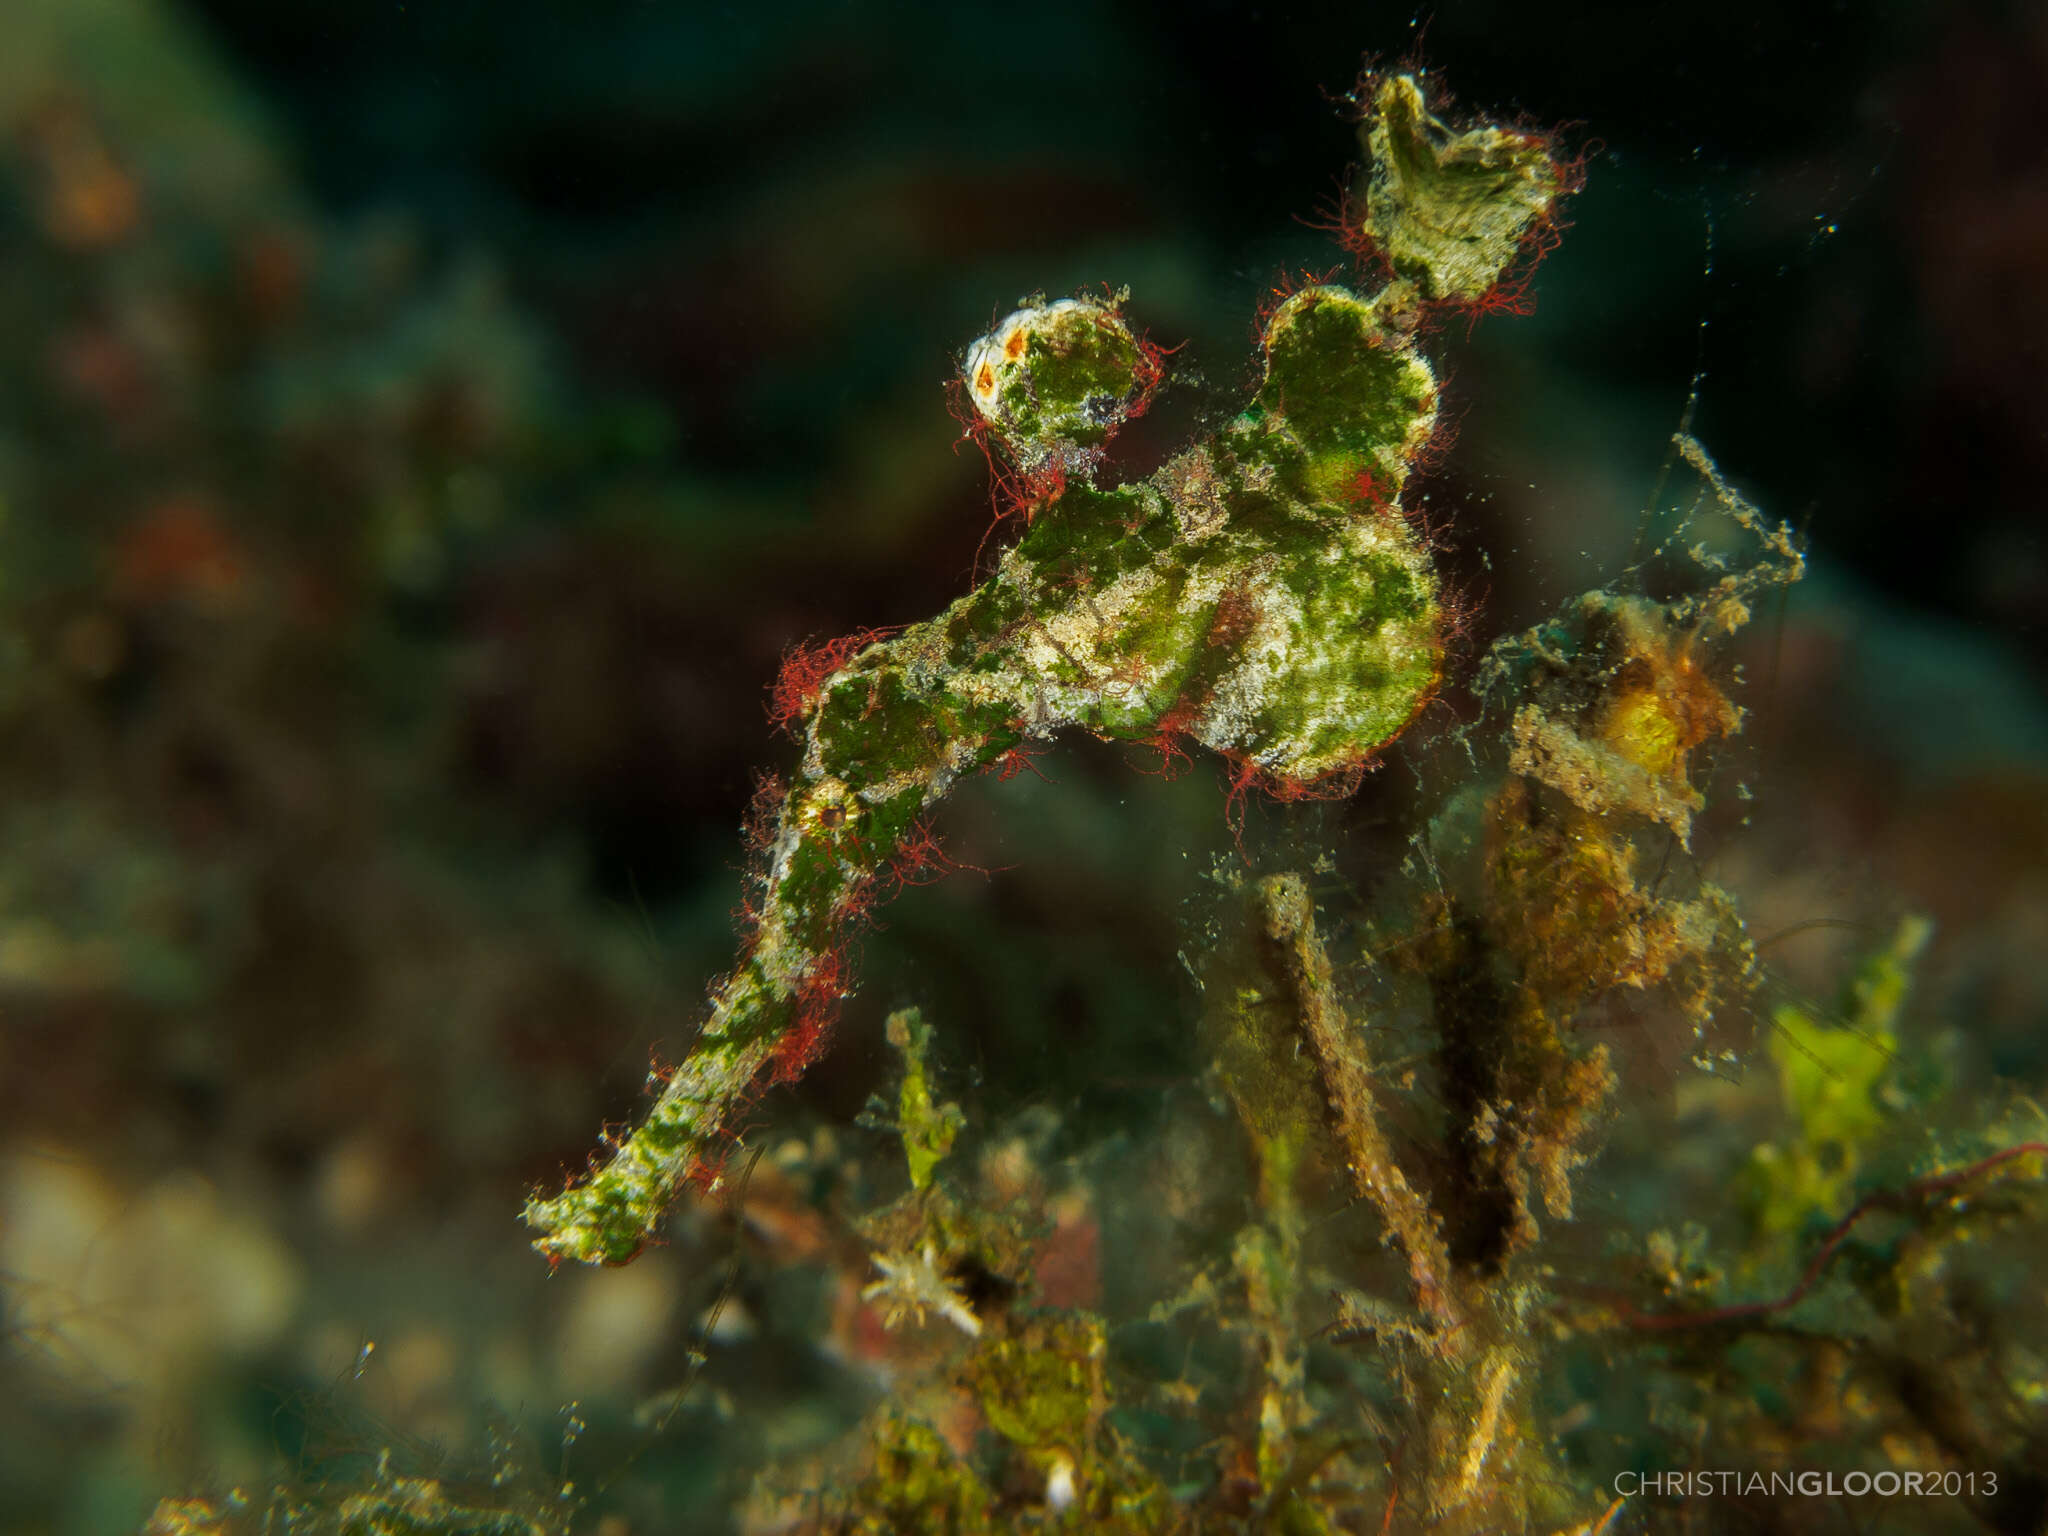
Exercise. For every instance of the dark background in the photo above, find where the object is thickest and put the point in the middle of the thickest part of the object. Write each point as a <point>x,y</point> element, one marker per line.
<point>754,220</point>
<point>1873,173</point>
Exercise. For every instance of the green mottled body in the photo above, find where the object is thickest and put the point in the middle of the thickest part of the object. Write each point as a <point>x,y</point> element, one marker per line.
<point>1261,594</point>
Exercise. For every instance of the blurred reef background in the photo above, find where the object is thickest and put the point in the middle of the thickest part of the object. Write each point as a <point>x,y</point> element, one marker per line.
<point>425,426</point>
